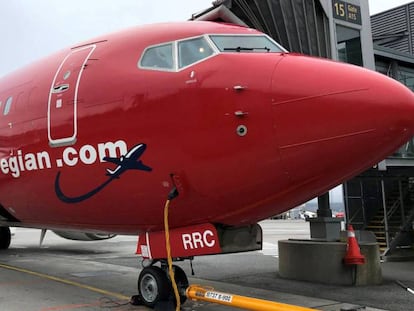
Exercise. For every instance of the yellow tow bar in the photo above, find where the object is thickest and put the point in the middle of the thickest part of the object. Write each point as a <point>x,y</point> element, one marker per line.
<point>196,292</point>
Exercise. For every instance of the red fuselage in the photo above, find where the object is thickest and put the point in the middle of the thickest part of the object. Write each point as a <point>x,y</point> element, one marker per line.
<point>244,134</point>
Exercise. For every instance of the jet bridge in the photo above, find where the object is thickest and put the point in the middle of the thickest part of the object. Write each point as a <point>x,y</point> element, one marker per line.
<point>335,29</point>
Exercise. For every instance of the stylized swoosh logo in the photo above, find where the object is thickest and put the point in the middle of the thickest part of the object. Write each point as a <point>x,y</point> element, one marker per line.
<point>129,161</point>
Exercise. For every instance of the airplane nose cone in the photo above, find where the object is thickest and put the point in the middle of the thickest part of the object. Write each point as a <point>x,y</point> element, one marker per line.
<point>394,102</point>
<point>337,119</point>
<point>389,107</point>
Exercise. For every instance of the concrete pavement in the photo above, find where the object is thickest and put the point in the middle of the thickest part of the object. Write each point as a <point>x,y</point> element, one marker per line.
<point>103,275</point>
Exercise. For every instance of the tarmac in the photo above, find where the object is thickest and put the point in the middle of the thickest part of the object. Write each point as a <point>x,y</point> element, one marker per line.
<point>102,275</point>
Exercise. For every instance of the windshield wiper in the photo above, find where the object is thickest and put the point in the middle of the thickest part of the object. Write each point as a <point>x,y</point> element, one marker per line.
<point>240,48</point>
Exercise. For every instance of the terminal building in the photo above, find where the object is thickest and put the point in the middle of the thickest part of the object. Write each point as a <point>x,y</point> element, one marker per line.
<point>381,199</point>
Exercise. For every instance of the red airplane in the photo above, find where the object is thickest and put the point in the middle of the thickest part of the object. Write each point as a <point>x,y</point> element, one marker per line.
<point>94,138</point>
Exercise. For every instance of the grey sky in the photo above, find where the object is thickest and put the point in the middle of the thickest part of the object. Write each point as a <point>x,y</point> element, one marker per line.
<point>33,29</point>
<point>377,6</point>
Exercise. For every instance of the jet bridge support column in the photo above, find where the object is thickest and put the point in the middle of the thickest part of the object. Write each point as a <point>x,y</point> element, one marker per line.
<point>324,227</point>
<point>324,208</point>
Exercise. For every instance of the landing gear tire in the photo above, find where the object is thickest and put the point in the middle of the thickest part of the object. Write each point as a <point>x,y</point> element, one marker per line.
<point>182,283</point>
<point>5,237</point>
<point>153,286</point>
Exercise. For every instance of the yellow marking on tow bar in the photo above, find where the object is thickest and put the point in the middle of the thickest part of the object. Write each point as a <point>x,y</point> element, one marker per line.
<point>68,282</point>
<point>196,292</point>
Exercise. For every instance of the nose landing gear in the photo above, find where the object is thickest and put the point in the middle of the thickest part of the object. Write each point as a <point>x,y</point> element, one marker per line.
<point>154,285</point>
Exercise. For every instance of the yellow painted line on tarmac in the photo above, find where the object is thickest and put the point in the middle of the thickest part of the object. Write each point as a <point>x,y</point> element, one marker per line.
<point>68,282</point>
<point>71,307</point>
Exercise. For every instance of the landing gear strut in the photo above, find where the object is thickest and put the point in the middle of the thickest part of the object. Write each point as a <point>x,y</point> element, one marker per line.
<point>154,285</point>
<point>5,237</point>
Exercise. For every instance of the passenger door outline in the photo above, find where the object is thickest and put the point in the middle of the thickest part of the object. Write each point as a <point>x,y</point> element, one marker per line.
<point>63,94</point>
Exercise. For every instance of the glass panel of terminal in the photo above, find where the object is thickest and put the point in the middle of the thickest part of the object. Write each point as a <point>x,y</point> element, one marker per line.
<point>349,45</point>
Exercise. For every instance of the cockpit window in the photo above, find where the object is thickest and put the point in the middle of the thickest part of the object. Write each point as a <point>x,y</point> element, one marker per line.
<point>7,106</point>
<point>158,57</point>
<point>174,56</point>
<point>192,51</point>
<point>245,44</point>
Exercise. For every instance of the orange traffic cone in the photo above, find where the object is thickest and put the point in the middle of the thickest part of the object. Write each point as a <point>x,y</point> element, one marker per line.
<point>353,253</point>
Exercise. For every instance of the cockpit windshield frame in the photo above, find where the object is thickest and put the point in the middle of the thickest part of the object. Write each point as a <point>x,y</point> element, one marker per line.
<point>149,49</point>
<point>207,49</point>
<point>201,49</point>
<point>177,64</point>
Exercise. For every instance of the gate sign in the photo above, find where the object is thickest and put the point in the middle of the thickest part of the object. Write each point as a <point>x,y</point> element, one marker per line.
<point>347,12</point>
